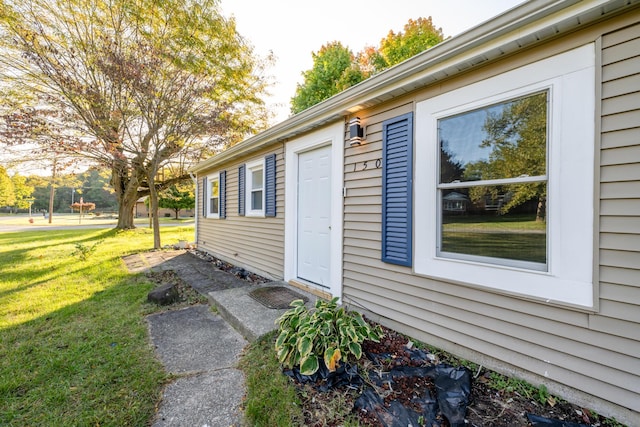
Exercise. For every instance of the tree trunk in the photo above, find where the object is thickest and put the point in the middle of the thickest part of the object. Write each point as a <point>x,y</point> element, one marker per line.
<point>153,206</point>
<point>541,211</point>
<point>125,213</point>
<point>126,188</point>
<point>53,188</point>
<point>52,193</point>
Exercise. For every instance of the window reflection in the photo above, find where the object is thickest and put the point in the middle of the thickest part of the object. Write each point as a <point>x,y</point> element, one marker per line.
<point>505,140</point>
<point>476,221</point>
<point>215,196</point>
<point>493,182</point>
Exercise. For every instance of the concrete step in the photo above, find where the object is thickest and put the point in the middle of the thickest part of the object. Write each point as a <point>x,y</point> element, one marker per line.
<point>248,316</point>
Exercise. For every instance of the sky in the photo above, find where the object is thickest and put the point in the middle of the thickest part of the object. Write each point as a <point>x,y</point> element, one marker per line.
<point>293,29</point>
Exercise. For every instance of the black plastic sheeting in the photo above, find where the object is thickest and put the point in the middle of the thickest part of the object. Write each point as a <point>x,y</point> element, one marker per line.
<point>453,388</point>
<point>537,421</point>
<point>324,380</point>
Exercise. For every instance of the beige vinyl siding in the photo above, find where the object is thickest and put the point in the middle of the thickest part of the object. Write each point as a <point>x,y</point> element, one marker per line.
<point>620,186</point>
<point>590,358</point>
<point>256,244</point>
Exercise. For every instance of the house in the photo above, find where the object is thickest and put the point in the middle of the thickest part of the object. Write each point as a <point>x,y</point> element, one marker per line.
<point>312,202</point>
<point>454,203</point>
<point>142,210</point>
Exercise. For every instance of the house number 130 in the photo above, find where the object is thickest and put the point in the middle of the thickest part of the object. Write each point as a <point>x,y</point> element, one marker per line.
<point>365,165</point>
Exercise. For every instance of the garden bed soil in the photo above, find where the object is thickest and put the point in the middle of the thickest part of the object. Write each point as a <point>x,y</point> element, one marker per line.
<point>487,405</point>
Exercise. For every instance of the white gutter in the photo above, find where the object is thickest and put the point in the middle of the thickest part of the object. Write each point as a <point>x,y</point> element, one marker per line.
<point>516,29</point>
<point>195,214</point>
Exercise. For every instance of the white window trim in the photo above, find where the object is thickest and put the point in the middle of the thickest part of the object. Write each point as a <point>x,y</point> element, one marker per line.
<point>250,166</point>
<point>570,77</point>
<point>210,179</point>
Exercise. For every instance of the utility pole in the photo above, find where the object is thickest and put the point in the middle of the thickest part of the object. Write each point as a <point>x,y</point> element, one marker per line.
<point>53,190</point>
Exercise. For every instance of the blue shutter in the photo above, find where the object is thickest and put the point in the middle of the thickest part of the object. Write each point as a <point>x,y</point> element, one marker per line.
<point>397,189</point>
<point>241,189</point>
<point>270,185</point>
<point>204,197</point>
<point>222,204</point>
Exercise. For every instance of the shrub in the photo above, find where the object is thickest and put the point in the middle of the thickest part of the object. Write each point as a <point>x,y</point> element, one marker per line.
<point>325,331</point>
<point>84,251</point>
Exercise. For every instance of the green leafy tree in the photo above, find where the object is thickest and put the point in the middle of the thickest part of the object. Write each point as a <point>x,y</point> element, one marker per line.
<point>333,70</point>
<point>517,136</point>
<point>418,36</point>
<point>96,188</point>
<point>62,196</point>
<point>7,194</point>
<point>336,68</point>
<point>40,192</point>
<point>141,83</point>
<point>177,198</point>
<point>22,190</point>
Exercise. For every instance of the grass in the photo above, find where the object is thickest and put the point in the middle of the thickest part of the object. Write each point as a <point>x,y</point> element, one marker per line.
<point>271,397</point>
<point>74,346</point>
<point>523,247</point>
<point>511,222</point>
<point>517,237</point>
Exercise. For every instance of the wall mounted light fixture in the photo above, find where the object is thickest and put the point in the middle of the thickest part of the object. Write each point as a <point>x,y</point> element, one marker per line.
<point>356,132</point>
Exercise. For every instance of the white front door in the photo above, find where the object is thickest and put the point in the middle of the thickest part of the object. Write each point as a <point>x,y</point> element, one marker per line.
<point>314,216</point>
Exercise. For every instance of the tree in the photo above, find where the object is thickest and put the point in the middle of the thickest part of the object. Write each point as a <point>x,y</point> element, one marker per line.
<point>336,68</point>
<point>95,186</point>
<point>63,194</point>
<point>7,194</point>
<point>142,83</point>
<point>22,191</point>
<point>177,198</point>
<point>418,36</point>
<point>517,136</point>
<point>333,71</point>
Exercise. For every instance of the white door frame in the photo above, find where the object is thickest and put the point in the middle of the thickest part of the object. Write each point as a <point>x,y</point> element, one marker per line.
<point>332,135</point>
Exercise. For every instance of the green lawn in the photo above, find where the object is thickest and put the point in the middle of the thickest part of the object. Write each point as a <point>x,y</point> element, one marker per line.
<point>530,247</point>
<point>517,237</point>
<point>74,346</point>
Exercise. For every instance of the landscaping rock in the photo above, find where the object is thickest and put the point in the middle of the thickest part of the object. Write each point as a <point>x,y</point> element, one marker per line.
<point>164,295</point>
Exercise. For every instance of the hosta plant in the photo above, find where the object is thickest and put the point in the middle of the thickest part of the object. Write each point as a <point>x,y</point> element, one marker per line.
<point>325,331</point>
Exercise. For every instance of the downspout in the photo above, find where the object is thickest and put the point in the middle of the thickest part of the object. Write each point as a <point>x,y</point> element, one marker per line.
<point>195,214</point>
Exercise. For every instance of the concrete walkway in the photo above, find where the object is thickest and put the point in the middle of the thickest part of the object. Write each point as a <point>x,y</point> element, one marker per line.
<point>203,350</point>
<point>201,347</point>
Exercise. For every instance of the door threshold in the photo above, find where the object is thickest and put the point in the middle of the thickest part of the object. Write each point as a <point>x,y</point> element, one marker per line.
<point>310,289</point>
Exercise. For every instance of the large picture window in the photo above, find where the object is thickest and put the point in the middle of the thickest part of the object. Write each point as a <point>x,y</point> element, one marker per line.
<point>492,184</point>
<point>504,181</point>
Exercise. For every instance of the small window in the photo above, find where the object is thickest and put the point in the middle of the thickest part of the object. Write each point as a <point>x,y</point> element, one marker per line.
<point>257,183</point>
<point>493,183</point>
<point>214,198</point>
<point>255,188</point>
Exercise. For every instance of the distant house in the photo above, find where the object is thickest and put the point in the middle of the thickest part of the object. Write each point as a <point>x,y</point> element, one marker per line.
<point>142,210</point>
<point>455,203</point>
<point>363,219</point>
